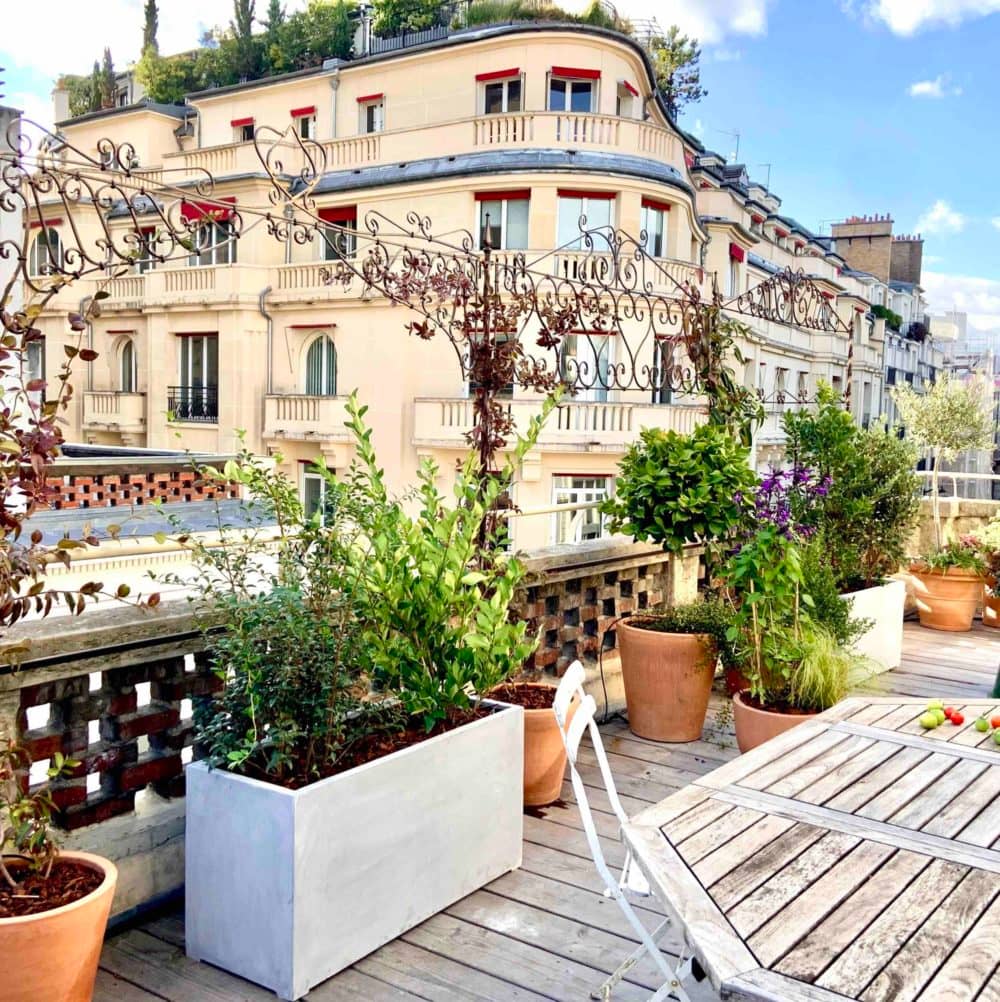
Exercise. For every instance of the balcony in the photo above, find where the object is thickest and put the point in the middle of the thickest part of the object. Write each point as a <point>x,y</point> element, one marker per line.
<point>194,403</point>
<point>110,410</point>
<point>305,417</point>
<point>574,427</point>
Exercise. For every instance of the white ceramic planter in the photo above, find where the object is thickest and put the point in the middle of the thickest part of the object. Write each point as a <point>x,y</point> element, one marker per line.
<point>285,888</point>
<point>883,643</point>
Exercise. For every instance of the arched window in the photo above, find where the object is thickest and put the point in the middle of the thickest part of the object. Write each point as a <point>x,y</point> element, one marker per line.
<point>321,368</point>
<point>127,367</point>
<point>45,256</point>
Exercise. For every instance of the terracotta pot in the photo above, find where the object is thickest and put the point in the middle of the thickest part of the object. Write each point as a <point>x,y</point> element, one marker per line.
<point>668,681</point>
<point>544,756</point>
<point>53,955</point>
<point>948,600</point>
<point>754,727</point>
<point>991,611</point>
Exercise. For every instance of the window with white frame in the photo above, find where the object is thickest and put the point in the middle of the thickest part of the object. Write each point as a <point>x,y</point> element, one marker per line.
<point>127,367</point>
<point>583,524</point>
<point>147,243</point>
<point>504,95</point>
<point>316,492</point>
<point>574,206</point>
<point>504,220</point>
<point>663,364</point>
<point>585,364</point>
<point>627,101</point>
<point>214,243</point>
<point>196,397</point>
<point>33,366</point>
<point>45,257</point>
<point>339,238</point>
<point>305,125</point>
<point>734,277</point>
<point>802,389</point>
<point>321,368</point>
<point>780,382</point>
<point>568,93</point>
<point>371,111</point>
<point>242,130</point>
<point>653,224</point>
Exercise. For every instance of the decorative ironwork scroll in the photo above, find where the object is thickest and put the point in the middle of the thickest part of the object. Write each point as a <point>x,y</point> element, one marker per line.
<point>791,298</point>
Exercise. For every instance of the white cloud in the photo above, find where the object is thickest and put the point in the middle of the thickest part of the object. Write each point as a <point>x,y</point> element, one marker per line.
<point>936,88</point>
<point>941,218</point>
<point>996,222</point>
<point>724,55</point>
<point>979,297</point>
<point>709,21</point>
<point>907,17</point>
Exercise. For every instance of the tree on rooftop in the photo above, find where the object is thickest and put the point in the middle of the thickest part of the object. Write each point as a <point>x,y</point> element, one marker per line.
<point>150,26</point>
<point>106,82</point>
<point>166,79</point>
<point>394,16</point>
<point>676,60</point>
<point>272,35</point>
<point>322,31</point>
<point>247,48</point>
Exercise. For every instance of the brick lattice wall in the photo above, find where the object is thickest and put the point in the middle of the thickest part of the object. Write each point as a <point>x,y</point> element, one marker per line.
<point>109,490</point>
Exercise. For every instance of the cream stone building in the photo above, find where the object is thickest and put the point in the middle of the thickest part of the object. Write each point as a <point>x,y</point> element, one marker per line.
<point>533,126</point>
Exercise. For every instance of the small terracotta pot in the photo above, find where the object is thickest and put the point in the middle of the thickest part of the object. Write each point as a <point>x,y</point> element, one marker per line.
<point>668,681</point>
<point>991,611</point>
<point>52,956</point>
<point>544,756</point>
<point>946,600</point>
<point>754,727</point>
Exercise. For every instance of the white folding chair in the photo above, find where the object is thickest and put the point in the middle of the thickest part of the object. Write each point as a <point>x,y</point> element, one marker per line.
<point>631,880</point>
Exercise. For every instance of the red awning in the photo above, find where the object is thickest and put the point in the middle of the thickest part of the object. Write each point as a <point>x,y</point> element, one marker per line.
<point>39,223</point>
<point>511,195</point>
<point>826,295</point>
<point>652,203</point>
<point>781,233</point>
<point>860,309</point>
<point>318,326</point>
<point>578,193</point>
<point>303,112</point>
<point>756,218</point>
<point>237,123</point>
<point>499,74</point>
<point>737,253</point>
<point>201,212</point>
<point>339,214</point>
<point>370,97</point>
<point>575,73</point>
<point>632,90</point>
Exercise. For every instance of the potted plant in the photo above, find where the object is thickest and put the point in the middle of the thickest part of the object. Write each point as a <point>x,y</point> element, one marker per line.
<point>862,521</point>
<point>793,661</point>
<point>672,655</point>
<point>355,783</point>
<point>54,905</point>
<point>674,489</point>
<point>989,543</point>
<point>950,418</point>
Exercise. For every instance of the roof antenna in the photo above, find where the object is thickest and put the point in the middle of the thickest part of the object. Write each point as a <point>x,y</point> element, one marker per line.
<point>768,166</point>
<point>736,135</point>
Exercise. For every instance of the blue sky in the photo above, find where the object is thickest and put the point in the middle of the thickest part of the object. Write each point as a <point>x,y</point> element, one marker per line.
<point>861,106</point>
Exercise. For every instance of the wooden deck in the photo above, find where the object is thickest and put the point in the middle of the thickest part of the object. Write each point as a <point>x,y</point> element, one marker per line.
<point>544,931</point>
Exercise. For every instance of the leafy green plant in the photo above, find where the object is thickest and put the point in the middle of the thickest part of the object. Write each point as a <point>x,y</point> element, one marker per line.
<point>711,615</point>
<point>825,671</point>
<point>675,489</point>
<point>962,554</point>
<point>829,610</point>
<point>26,815</point>
<point>435,586</point>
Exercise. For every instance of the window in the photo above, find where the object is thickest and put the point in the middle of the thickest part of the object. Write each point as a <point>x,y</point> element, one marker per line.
<point>504,219</point>
<point>127,367</point>
<point>627,100</point>
<point>147,242</point>
<point>576,526</point>
<point>321,368</point>
<point>780,383</point>
<point>734,278</point>
<point>585,363</point>
<point>215,243</point>
<point>46,255</point>
<point>196,398</point>
<point>572,95</point>
<point>574,206</point>
<point>654,225</point>
<point>33,367</point>
<point>500,96</point>
<point>244,133</point>
<point>339,239</point>
<point>306,126</point>
<point>480,353</point>
<point>663,356</point>
<point>372,113</point>
<point>802,390</point>
<point>316,492</point>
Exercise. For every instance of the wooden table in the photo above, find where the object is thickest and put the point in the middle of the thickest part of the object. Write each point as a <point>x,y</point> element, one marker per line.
<point>857,856</point>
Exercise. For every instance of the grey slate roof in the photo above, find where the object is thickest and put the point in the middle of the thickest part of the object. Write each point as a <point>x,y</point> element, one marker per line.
<point>172,110</point>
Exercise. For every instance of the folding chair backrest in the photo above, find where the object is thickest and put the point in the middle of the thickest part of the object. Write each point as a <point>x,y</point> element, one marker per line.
<point>570,687</point>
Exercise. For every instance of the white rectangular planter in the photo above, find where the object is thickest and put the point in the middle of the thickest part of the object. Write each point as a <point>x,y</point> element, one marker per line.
<point>883,643</point>
<point>287,887</point>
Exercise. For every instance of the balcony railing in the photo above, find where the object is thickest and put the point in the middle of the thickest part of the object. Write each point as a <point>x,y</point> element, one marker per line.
<point>111,409</point>
<point>305,416</point>
<point>575,426</point>
<point>194,403</point>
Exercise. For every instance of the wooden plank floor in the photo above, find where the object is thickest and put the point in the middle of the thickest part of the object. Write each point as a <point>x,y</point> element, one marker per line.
<point>544,931</point>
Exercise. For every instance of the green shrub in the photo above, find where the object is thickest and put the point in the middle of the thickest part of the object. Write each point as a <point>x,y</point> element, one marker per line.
<point>709,615</point>
<point>825,672</point>
<point>675,489</point>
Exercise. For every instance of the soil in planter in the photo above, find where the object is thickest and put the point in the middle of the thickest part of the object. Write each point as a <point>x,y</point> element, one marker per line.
<point>774,707</point>
<point>68,882</point>
<point>531,697</point>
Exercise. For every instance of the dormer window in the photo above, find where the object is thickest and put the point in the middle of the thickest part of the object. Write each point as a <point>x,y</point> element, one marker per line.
<point>305,121</point>
<point>371,111</point>
<point>242,129</point>
<point>500,91</point>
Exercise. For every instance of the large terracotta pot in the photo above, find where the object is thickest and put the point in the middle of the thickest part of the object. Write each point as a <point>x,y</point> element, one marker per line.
<point>754,727</point>
<point>52,956</point>
<point>668,681</point>
<point>544,756</point>
<point>991,611</point>
<point>946,600</point>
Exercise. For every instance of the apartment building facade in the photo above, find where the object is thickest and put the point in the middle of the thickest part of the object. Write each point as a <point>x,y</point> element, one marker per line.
<point>525,127</point>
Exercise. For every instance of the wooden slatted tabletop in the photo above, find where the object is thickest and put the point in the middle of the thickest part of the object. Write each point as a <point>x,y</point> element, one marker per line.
<point>857,856</point>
